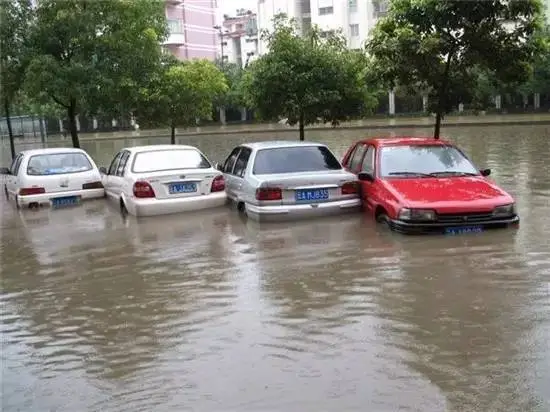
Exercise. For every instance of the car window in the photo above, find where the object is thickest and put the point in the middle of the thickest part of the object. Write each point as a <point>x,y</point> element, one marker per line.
<point>242,161</point>
<point>294,159</point>
<point>121,168</point>
<point>171,159</point>
<point>356,158</point>
<point>368,161</point>
<point>423,159</point>
<point>230,161</point>
<point>58,163</point>
<point>14,169</point>
<point>114,164</point>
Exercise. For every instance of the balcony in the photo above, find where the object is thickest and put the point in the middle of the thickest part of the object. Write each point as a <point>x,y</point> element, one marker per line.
<point>174,2</point>
<point>176,35</point>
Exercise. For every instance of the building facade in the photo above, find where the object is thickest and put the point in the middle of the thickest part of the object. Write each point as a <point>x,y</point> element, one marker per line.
<point>191,25</point>
<point>356,18</point>
<point>239,38</point>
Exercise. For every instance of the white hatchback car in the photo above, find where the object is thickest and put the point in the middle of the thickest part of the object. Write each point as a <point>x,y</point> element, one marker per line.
<point>163,179</point>
<point>55,177</point>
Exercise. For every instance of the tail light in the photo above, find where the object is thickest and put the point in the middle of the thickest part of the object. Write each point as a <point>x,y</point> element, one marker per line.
<point>350,188</point>
<point>218,184</point>
<point>269,193</point>
<point>143,190</point>
<point>92,185</point>
<point>26,191</point>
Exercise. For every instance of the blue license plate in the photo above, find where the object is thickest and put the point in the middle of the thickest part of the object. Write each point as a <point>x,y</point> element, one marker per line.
<point>311,195</point>
<point>65,201</point>
<point>176,188</point>
<point>463,229</point>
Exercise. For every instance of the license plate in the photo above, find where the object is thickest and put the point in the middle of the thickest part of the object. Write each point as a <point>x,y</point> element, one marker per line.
<point>65,201</point>
<point>311,195</point>
<point>463,229</point>
<point>176,188</point>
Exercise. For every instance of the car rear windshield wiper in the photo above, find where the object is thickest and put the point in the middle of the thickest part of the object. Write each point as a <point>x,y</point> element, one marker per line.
<point>409,174</point>
<point>453,173</point>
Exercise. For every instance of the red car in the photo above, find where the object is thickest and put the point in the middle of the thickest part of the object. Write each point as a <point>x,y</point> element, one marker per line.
<point>424,185</point>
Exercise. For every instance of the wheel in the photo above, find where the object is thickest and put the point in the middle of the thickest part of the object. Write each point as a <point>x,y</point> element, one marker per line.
<point>241,208</point>
<point>383,219</point>
<point>123,209</point>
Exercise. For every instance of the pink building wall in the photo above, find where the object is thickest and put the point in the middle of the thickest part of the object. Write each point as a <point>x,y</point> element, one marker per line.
<point>196,20</point>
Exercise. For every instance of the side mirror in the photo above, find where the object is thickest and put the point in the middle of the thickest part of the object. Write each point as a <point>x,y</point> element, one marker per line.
<point>103,170</point>
<point>366,177</point>
<point>4,171</point>
<point>219,167</point>
<point>485,172</point>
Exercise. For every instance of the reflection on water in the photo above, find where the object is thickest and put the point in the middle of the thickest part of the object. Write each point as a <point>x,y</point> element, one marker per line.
<point>207,311</point>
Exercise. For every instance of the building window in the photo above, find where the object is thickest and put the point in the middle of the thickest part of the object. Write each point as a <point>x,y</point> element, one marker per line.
<point>175,26</point>
<point>352,6</point>
<point>323,11</point>
<point>354,30</point>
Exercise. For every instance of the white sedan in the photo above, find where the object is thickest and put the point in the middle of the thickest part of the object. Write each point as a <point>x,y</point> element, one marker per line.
<point>54,177</point>
<point>163,179</point>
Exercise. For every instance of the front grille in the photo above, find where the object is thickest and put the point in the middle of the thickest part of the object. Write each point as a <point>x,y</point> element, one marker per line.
<point>464,217</point>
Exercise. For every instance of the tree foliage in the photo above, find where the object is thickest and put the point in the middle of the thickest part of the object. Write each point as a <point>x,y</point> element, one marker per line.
<point>233,76</point>
<point>93,54</point>
<point>15,21</point>
<point>182,92</point>
<point>444,45</point>
<point>306,79</point>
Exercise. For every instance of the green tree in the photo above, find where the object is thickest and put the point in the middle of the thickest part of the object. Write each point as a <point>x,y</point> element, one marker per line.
<point>181,93</point>
<point>91,54</point>
<point>307,78</point>
<point>443,44</point>
<point>15,19</point>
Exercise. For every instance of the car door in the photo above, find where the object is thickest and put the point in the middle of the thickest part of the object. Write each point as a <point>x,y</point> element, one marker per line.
<point>13,179</point>
<point>118,181</point>
<point>108,181</point>
<point>239,172</point>
<point>227,169</point>
<point>369,194</point>
<point>353,164</point>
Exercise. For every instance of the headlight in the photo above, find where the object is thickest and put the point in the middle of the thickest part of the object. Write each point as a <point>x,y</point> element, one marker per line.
<point>417,214</point>
<point>505,210</point>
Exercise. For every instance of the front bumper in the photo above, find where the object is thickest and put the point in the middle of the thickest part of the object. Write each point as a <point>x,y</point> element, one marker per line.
<point>412,228</point>
<point>290,212</point>
<point>45,199</point>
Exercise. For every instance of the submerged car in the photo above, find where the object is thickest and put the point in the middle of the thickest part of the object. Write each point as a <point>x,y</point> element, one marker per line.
<point>424,185</point>
<point>283,179</point>
<point>56,177</point>
<point>163,179</point>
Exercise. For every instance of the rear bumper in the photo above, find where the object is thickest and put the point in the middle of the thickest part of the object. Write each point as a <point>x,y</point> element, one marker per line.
<point>156,207</point>
<point>44,199</point>
<point>439,228</point>
<point>289,212</point>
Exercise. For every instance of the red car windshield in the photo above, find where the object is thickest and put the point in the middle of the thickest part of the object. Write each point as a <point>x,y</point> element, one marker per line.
<point>424,160</point>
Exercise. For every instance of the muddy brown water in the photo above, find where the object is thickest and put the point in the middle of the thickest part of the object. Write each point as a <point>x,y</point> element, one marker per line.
<point>209,312</point>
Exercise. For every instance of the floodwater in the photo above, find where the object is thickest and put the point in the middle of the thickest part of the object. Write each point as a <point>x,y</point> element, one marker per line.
<point>209,312</point>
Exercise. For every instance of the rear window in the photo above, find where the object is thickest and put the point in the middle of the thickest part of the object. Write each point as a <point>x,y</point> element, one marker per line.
<point>161,160</point>
<point>294,160</point>
<point>58,164</point>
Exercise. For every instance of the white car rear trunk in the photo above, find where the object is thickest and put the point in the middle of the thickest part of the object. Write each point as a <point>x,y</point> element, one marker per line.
<point>179,183</point>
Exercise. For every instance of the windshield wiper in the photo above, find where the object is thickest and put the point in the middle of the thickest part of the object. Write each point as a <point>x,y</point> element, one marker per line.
<point>453,173</point>
<point>409,174</point>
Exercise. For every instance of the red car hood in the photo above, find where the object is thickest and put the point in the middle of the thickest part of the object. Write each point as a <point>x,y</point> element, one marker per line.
<point>451,191</point>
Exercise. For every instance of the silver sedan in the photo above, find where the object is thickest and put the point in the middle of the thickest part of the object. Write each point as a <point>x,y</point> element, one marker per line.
<point>282,179</point>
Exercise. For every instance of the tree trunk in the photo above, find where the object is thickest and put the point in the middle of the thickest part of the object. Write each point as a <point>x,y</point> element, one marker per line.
<point>301,127</point>
<point>172,133</point>
<point>10,130</point>
<point>71,113</point>
<point>442,98</point>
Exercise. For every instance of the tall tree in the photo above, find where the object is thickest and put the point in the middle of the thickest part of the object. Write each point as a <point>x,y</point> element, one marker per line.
<point>15,20</point>
<point>307,78</point>
<point>93,54</point>
<point>181,93</point>
<point>443,44</point>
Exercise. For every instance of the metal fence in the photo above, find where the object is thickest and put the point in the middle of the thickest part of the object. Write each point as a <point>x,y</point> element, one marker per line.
<point>23,127</point>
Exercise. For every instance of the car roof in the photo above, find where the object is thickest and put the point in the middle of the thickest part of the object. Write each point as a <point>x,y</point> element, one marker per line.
<point>153,147</point>
<point>275,144</point>
<point>405,141</point>
<point>51,150</point>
